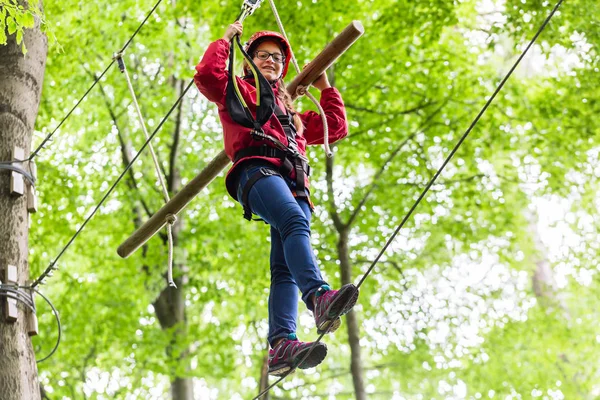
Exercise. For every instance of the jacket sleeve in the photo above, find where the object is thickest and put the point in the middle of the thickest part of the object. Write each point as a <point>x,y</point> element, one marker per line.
<point>335,112</point>
<point>211,73</point>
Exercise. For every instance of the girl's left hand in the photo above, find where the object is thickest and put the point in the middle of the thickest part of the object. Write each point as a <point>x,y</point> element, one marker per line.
<point>322,82</point>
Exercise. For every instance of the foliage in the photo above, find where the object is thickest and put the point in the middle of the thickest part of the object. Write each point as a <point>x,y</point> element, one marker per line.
<point>449,312</point>
<point>15,18</point>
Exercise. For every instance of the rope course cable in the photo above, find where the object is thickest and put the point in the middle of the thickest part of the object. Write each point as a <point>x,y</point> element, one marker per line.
<point>49,136</point>
<point>52,265</point>
<point>428,186</point>
<point>9,166</point>
<point>17,293</point>
<point>14,292</point>
<point>170,220</point>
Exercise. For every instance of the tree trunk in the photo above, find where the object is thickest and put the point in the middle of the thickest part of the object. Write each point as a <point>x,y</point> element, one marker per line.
<point>21,80</point>
<point>170,304</point>
<point>264,377</point>
<point>351,319</point>
<point>170,311</point>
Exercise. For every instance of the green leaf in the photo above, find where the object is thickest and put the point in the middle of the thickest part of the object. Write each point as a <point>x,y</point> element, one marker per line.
<point>28,20</point>
<point>11,25</point>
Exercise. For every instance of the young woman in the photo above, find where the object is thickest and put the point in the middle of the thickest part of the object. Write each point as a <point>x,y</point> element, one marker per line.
<point>272,183</point>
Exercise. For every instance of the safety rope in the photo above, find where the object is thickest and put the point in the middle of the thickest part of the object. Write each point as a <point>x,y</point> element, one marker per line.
<point>431,182</point>
<point>52,265</point>
<point>16,292</point>
<point>171,219</point>
<point>304,90</point>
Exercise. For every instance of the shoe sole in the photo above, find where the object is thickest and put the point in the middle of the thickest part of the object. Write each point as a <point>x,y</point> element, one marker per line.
<point>348,293</point>
<point>316,357</point>
<point>279,370</point>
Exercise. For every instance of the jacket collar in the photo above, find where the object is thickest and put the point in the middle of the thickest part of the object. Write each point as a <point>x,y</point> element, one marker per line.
<point>250,79</point>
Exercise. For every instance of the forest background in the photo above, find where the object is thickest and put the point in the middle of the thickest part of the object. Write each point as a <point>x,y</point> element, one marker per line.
<point>491,289</point>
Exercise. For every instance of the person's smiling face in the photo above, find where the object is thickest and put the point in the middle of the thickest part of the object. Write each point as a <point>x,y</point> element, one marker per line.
<point>270,68</point>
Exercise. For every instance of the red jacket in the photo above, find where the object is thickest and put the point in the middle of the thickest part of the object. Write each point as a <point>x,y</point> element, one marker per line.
<point>211,79</point>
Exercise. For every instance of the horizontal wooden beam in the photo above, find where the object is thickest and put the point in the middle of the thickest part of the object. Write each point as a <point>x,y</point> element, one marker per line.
<point>326,58</point>
<point>312,71</point>
<point>174,206</point>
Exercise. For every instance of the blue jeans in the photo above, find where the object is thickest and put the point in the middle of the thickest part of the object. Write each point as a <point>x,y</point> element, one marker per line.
<point>293,264</point>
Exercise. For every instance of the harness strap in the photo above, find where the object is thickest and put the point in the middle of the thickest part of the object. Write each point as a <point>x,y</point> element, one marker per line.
<point>261,173</point>
<point>234,100</point>
<point>291,159</point>
<point>290,132</point>
<point>285,119</point>
<point>272,152</point>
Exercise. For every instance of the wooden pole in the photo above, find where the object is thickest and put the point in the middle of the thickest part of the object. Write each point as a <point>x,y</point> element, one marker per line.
<point>176,204</point>
<point>325,58</point>
<point>312,71</point>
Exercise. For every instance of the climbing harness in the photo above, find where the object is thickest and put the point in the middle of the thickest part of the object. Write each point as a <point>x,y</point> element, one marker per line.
<point>237,106</point>
<point>266,105</point>
<point>291,160</point>
<point>265,98</point>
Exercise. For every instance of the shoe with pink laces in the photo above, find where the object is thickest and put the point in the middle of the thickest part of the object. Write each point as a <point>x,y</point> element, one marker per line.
<point>290,351</point>
<point>331,304</point>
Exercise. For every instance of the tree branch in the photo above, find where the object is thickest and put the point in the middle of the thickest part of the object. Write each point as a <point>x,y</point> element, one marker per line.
<point>132,182</point>
<point>176,135</point>
<point>373,185</point>
<point>445,182</point>
<point>396,113</point>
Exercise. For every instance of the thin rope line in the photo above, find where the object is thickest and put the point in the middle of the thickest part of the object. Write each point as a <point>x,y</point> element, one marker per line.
<point>308,94</point>
<point>170,219</point>
<point>143,124</point>
<point>457,146</point>
<point>55,312</point>
<point>53,263</point>
<point>431,182</point>
<point>47,138</point>
<point>324,121</point>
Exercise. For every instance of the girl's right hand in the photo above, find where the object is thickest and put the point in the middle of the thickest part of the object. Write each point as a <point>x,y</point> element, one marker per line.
<point>234,29</point>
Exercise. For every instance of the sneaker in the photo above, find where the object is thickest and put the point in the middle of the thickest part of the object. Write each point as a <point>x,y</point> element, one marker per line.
<point>290,351</point>
<point>328,304</point>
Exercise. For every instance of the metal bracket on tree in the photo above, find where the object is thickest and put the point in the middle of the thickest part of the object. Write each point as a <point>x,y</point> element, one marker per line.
<point>9,277</point>
<point>18,176</point>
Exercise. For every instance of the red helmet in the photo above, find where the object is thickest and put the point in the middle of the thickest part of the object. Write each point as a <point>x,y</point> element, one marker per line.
<point>261,36</point>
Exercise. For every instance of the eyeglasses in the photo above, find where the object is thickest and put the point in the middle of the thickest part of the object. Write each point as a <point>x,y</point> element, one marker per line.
<point>264,55</point>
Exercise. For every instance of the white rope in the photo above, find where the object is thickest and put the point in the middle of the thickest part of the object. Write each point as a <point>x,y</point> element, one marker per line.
<point>325,126</point>
<point>305,90</point>
<point>170,219</point>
